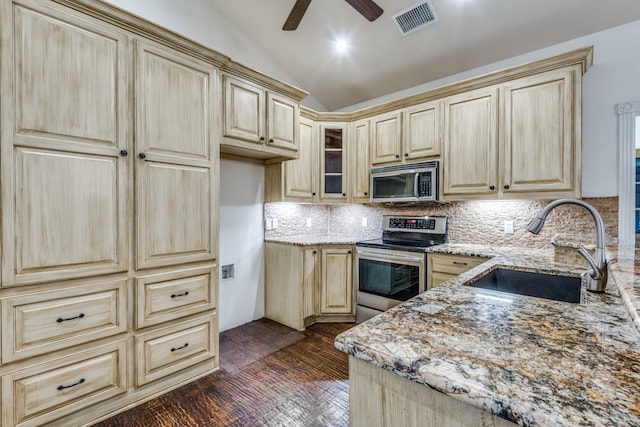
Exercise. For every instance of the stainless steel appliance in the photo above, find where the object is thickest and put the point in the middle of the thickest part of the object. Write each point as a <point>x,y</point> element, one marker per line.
<point>393,269</point>
<point>416,182</point>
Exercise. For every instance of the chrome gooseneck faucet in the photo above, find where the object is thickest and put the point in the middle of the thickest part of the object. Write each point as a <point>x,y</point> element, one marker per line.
<point>596,279</point>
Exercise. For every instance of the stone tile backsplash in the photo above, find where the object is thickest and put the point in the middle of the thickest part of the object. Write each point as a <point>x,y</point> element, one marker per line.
<point>477,222</point>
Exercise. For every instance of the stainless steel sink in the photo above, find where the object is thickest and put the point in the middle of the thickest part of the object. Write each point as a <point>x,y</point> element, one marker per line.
<point>549,286</point>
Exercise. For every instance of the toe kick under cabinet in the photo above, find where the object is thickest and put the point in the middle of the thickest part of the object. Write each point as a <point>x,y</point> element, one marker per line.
<point>309,284</point>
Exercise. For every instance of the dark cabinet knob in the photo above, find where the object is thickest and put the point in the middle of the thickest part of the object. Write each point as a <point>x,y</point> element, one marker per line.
<point>349,252</point>
<point>142,156</point>
<point>397,156</point>
<point>506,186</point>
<point>344,194</point>
<point>262,138</point>
<point>406,154</point>
<point>313,194</point>
<point>124,153</point>
<point>492,187</point>
<point>366,194</point>
<point>270,139</point>
<point>314,252</point>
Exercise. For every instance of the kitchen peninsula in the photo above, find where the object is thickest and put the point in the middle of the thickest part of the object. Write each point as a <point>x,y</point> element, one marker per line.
<point>456,355</point>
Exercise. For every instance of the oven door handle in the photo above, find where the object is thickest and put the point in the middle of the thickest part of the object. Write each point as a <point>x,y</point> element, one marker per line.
<point>390,258</point>
<point>415,184</point>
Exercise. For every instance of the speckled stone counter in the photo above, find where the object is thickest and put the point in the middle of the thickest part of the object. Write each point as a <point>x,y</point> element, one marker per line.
<point>310,240</point>
<point>531,361</point>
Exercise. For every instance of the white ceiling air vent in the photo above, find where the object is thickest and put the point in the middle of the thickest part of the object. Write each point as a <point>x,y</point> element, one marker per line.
<point>415,17</point>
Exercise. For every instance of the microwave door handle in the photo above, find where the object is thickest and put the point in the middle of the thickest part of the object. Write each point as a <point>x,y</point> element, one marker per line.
<point>415,184</point>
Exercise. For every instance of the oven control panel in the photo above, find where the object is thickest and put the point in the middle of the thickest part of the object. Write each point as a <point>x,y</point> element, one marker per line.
<point>422,224</point>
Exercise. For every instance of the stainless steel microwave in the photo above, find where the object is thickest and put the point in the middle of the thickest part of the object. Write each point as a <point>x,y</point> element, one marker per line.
<point>416,182</point>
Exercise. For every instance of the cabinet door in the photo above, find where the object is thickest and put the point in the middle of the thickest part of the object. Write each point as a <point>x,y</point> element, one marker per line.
<point>541,139</point>
<point>65,120</point>
<point>300,175</point>
<point>386,136</point>
<point>175,168</point>
<point>422,130</point>
<point>309,282</point>
<point>336,290</point>
<point>333,162</point>
<point>471,144</point>
<point>244,111</point>
<point>360,162</point>
<point>283,116</point>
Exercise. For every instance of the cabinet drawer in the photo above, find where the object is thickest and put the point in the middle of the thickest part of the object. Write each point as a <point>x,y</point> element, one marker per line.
<point>42,393</point>
<point>168,296</point>
<point>438,278</point>
<point>40,322</point>
<point>454,264</point>
<point>168,350</point>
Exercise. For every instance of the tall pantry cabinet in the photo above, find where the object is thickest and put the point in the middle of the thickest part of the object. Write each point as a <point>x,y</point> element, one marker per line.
<point>109,168</point>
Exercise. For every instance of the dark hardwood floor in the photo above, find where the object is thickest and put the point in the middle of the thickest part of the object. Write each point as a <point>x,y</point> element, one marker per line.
<point>270,375</point>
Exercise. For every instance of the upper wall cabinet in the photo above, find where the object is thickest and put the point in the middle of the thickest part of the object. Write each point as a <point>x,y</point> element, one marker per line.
<point>541,129</point>
<point>259,123</point>
<point>333,162</point>
<point>359,161</point>
<point>407,135</point>
<point>65,181</point>
<point>525,146</point>
<point>471,143</point>
<point>175,178</point>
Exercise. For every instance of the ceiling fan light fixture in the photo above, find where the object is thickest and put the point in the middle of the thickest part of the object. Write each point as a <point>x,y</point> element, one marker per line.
<point>415,17</point>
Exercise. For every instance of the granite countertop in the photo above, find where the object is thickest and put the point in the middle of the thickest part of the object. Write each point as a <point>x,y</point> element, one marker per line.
<point>528,360</point>
<point>311,240</point>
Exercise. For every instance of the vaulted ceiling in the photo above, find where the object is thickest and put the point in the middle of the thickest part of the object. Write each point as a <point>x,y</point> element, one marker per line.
<point>379,60</point>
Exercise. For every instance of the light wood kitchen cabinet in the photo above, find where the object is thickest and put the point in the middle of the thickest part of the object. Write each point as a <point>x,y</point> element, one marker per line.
<point>525,146</point>
<point>360,163</point>
<point>258,122</point>
<point>386,138</point>
<point>296,180</point>
<point>63,159</point>
<point>333,162</point>
<point>422,130</point>
<point>176,187</point>
<point>320,174</point>
<point>407,135</point>
<point>336,287</point>
<point>471,143</point>
<point>442,267</point>
<point>542,128</point>
<point>109,163</point>
<point>308,284</point>
<point>42,393</point>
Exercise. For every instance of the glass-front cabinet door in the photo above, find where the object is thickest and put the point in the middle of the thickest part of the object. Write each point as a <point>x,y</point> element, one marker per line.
<point>333,175</point>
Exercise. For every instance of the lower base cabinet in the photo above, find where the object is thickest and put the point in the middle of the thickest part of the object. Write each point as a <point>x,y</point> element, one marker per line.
<point>309,284</point>
<point>442,267</point>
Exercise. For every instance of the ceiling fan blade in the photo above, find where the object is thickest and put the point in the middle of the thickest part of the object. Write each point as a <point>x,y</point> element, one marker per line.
<point>296,14</point>
<point>367,8</point>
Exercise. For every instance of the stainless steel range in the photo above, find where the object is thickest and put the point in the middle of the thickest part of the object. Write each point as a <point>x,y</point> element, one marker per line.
<point>393,269</point>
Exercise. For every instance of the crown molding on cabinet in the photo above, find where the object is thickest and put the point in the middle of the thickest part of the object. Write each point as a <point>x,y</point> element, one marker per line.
<point>139,26</point>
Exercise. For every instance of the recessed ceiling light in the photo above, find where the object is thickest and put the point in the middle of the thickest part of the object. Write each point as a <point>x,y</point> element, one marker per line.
<point>341,45</point>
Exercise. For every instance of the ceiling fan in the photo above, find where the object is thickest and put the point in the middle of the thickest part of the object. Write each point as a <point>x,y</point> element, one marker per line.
<point>367,8</point>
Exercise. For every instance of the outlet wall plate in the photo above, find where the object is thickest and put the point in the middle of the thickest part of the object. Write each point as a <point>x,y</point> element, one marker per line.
<point>227,271</point>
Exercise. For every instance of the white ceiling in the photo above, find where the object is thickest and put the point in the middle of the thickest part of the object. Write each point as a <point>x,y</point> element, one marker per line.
<point>469,34</point>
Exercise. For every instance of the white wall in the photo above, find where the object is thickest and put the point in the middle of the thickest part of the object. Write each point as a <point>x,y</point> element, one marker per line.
<point>613,78</point>
<point>199,21</point>
<point>241,298</point>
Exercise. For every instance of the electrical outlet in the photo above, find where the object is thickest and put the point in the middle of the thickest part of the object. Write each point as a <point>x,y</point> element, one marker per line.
<point>269,223</point>
<point>364,221</point>
<point>308,222</point>
<point>228,271</point>
<point>274,223</point>
<point>508,227</point>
